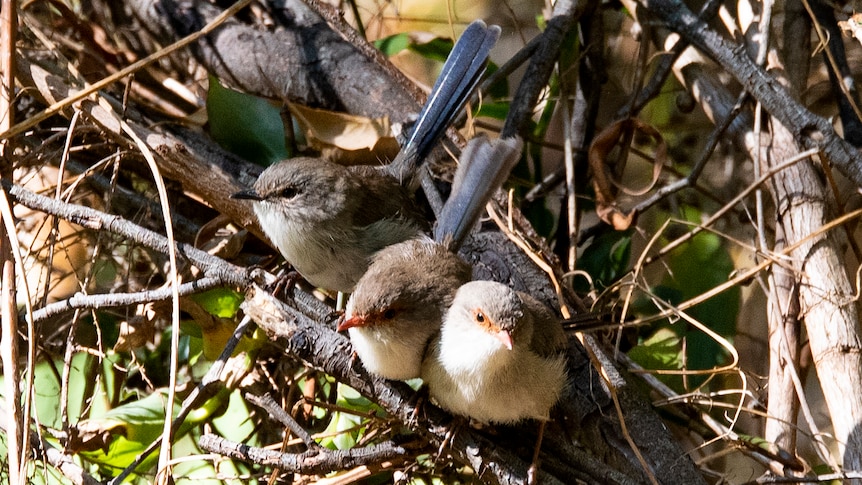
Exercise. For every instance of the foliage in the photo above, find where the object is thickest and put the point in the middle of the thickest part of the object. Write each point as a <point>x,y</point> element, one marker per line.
<point>101,378</point>
<point>247,125</point>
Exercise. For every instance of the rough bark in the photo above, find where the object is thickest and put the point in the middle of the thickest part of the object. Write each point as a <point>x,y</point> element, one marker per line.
<point>783,307</point>
<point>784,326</point>
<point>826,302</point>
<point>303,61</point>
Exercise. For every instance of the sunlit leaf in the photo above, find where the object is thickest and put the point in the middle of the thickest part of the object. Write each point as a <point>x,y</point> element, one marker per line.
<point>220,302</point>
<point>393,44</point>
<point>661,350</point>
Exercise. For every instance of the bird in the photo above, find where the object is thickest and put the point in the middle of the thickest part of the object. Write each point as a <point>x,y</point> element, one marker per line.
<point>499,357</point>
<point>399,303</point>
<point>328,220</point>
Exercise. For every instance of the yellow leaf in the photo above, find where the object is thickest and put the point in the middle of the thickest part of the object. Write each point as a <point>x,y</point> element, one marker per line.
<point>358,137</point>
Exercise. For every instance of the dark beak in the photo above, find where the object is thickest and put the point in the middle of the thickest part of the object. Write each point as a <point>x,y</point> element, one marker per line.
<point>248,194</point>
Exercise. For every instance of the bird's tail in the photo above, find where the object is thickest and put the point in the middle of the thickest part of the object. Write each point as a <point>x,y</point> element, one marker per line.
<point>461,73</point>
<point>484,166</point>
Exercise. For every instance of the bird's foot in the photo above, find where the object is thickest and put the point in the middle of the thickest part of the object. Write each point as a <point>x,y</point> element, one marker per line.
<point>416,401</point>
<point>533,471</point>
<point>284,283</point>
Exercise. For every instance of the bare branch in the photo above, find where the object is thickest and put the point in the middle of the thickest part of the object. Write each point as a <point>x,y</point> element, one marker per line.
<point>81,301</point>
<point>92,219</point>
<point>319,460</point>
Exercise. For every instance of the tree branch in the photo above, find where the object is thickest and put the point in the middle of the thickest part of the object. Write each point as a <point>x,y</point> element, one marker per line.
<point>810,130</point>
<point>318,461</point>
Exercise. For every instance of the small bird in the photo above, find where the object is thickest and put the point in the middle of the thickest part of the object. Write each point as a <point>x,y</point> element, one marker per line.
<point>328,220</point>
<point>499,357</point>
<point>398,305</point>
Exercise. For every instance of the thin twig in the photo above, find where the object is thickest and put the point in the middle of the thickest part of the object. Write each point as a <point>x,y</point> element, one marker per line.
<point>276,412</point>
<point>96,220</point>
<point>84,301</point>
<point>321,460</point>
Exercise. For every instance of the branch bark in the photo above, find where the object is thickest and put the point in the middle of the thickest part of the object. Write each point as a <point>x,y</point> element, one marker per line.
<point>304,61</point>
<point>300,328</point>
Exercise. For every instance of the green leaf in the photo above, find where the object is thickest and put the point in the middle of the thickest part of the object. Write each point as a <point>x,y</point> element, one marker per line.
<point>496,110</point>
<point>696,268</point>
<point>246,125</point>
<point>605,259</point>
<point>347,397</point>
<point>436,49</point>
<point>87,391</point>
<point>393,44</point>
<point>221,302</point>
<point>237,423</point>
<point>131,428</point>
<point>661,350</point>
<point>134,425</point>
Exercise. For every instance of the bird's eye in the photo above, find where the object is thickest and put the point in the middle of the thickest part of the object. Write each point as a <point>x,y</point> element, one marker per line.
<point>389,314</point>
<point>289,192</point>
<point>479,316</point>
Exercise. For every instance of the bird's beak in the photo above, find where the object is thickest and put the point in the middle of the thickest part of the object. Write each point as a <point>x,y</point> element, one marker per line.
<point>354,321</point>
<point>505,338</point>
<point>248,194</point>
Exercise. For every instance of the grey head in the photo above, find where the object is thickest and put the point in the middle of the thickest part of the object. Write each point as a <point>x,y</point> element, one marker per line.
<point>303,188</point>
<point>496,309</point>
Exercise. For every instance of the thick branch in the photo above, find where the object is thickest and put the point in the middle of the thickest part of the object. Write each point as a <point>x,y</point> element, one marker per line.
<point>307,63</point>
<point>566,14</point>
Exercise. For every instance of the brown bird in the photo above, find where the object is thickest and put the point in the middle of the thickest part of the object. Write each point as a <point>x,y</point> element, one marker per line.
<point>399,303</point>
<point>327,220</point>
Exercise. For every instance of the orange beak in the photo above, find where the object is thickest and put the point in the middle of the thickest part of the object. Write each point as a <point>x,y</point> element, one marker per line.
<point>354,321</point>
<point>505,338</point>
